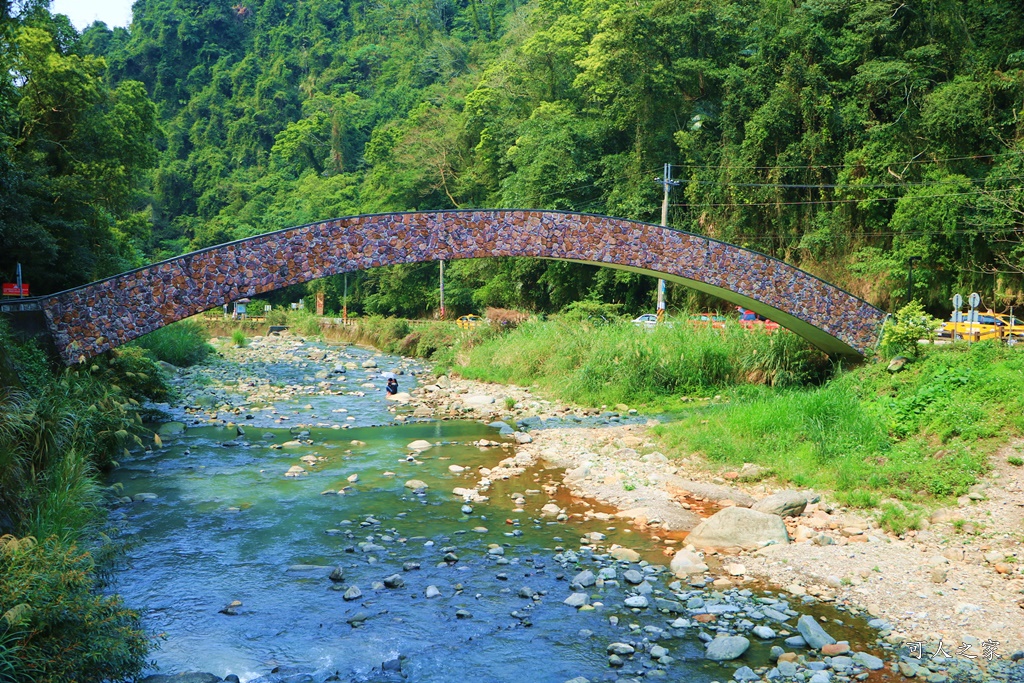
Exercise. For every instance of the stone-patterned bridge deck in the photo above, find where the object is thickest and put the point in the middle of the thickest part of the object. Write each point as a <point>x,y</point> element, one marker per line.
<point>93,318</point>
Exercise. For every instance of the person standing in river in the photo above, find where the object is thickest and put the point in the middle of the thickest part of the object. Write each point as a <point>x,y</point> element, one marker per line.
<point>392,386</point>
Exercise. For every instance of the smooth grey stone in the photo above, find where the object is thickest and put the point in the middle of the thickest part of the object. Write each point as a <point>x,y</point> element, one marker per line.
<point>726,647</point>
<point>813,633</point>
<point>620,649</point>
<point>585,578</point>
<point>868,661</point>
<point>745,673</point>
<point>632,576</point>
<point>577,600</point>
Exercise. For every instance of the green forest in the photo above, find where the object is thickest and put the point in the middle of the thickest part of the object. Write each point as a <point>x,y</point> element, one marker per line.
<point>847,137</point>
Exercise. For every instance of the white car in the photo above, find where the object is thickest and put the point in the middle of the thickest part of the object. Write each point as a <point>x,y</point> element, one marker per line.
<point>648,320</point>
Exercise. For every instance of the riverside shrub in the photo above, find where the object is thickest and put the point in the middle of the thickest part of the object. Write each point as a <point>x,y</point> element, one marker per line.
<point>55,626</point>
<point>182,343</point>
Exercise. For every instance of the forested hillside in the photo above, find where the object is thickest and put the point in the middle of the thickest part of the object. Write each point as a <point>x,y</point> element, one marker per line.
<point>844,136</point>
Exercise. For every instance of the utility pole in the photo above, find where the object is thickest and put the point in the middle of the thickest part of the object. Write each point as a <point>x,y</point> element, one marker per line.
<point>667,185</point>
<point>442,289</point>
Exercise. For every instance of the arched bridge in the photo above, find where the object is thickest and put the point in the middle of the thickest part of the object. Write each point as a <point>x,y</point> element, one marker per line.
<point>93,318</point>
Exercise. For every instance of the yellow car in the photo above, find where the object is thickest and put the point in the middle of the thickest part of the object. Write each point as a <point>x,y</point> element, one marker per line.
<point>469,321</point>
<point>988,326</point>
<point>1013,331</point>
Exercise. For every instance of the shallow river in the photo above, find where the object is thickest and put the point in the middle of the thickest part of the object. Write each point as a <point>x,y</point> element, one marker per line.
<point>227,525</point>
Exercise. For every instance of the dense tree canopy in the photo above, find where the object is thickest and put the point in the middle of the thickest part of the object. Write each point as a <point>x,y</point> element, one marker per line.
<point>843,136</point>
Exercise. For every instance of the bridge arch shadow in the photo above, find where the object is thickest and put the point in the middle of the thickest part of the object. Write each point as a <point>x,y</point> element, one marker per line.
<point>93,318</point>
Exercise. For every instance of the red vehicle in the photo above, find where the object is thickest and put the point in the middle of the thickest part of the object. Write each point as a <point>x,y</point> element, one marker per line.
<point>752,321</point>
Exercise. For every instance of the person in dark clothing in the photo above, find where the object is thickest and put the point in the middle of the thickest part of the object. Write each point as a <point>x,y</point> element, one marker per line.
<point>392,387</point>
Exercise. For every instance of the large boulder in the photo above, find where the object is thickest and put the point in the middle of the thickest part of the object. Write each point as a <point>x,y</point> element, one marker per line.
<point>813,633</point>
<point>724,648</point>
<point>738,528</point>
<point>685,563</point>
<point>783,504</point>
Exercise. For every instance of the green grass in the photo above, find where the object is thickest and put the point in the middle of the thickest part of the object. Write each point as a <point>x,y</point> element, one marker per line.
<point>182,344</point>
<point>238,338</point>
<point>924,432</point>
<point>621,363</point>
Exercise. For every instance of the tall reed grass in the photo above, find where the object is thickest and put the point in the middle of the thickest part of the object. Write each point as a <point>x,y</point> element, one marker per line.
<point>619,362</point>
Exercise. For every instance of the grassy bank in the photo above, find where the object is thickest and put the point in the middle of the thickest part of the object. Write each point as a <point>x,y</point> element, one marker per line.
<point>867,434</point>
<point>620,363</point>
<point>58,429</point>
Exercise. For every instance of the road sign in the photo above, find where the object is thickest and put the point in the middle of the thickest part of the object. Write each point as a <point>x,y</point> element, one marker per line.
<point>974,300</point>
<point>958,302</point>
<point>12,289</point>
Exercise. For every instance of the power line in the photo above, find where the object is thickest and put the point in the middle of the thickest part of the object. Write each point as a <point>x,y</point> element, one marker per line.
<point>867,186</point>
<point>877,164</point>
<point>843,201</point>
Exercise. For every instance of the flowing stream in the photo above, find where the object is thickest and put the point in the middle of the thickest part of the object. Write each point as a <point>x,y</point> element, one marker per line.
<point>226,525</point>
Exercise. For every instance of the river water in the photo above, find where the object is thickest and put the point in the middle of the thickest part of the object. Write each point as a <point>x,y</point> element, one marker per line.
<point>226,525</point>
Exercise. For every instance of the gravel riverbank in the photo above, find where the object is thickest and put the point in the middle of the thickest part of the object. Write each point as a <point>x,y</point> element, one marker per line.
<point>956,586</point>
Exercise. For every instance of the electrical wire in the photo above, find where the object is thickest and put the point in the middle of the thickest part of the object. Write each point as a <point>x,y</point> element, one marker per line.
<point>842,201</point>
<point>877,164</point>
<point>866,186</point>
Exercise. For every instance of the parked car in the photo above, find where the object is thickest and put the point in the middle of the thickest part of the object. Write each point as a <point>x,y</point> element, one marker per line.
<point>469,321</point>
<point>989,326</point>
<point>753,321</point>
<point>715,320</point>
<point>648,320</point>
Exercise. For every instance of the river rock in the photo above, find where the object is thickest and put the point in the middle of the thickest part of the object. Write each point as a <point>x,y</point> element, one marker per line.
<point>432,592</point>
<point>624,554</point>
<point>783,504</point>
<point>738,528</point>
<point>577,600</point>
<point>685,562</point>
<point>415,484</point>
<point>419,445</point>
<point>171,428</point>
<point>353,593</point>
<point>813,633</point>
<point>633,577</point>
<point>726,647</point>
<point>620,649</point>
<point>394,581</point>
<point>337,574</point>
<point>478,400</point>
<point>637,601</point>
<point>369,363</point>
<point>585,578</point>
<point>192,677</point>
<point>868,661</point>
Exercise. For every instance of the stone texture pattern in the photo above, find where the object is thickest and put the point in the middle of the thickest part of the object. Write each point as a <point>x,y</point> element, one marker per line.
<point>94,318</point>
